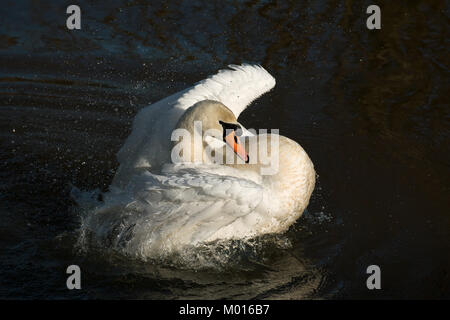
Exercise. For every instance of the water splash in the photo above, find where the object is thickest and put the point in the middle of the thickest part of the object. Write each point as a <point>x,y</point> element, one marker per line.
<point>125,231</point>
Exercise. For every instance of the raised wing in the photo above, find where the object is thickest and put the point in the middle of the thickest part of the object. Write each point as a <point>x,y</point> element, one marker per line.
<point>235,88</point>
<point>148,144</point>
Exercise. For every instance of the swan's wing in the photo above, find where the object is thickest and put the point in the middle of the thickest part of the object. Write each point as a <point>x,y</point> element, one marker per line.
<point>151,124</point>
<point>236,87</point>
<point>148,144</point>
<point>185,206</point>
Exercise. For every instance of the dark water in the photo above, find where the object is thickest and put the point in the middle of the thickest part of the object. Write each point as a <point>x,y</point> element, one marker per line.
<point>370,107</point>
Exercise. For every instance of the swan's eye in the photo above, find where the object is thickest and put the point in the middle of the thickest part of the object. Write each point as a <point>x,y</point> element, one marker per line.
<point>235,127</point>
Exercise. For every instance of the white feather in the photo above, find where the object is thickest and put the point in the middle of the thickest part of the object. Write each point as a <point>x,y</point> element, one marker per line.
<point>185,205</point>
<point>235,88</point>
<point>149,144</point>
<point>148,212</point>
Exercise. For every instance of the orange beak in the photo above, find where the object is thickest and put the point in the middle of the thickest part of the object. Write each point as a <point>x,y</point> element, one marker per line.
<point>235,143</point>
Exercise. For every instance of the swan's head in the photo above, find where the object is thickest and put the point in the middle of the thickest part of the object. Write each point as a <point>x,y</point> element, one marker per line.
<point>216,127</point>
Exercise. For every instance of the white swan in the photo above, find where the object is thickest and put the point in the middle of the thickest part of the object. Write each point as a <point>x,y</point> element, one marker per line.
<point>156,206</point>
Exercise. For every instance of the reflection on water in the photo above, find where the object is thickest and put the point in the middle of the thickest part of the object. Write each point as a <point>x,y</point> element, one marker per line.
<point>370,107</point>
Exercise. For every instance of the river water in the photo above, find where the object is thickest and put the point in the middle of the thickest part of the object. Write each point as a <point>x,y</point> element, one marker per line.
<point>370,107</point>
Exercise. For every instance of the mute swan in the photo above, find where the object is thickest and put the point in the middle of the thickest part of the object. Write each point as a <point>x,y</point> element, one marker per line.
<point>155,205</point>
